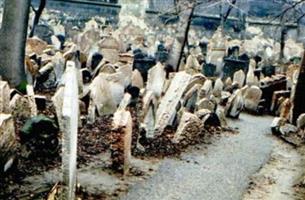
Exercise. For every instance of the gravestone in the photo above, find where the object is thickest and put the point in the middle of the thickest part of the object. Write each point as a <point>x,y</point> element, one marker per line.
<point>167,109</point>
<point>4,97</point>
<point>70,113</point>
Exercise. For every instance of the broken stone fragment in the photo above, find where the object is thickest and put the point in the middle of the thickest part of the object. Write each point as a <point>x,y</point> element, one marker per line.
<point>4,97</point>
<point>218,87</point>
<point>121,141</point>
<point>235,104</point>
<point>156,79</point>
<point>21,107</point>
<point>7,140</point>
<point>252,98</point>
<point>239,77</point>
<point>189,127</point>
<point>276,124</point>
<point>301,121</point>
<point>102,97</point>
<point>287,129</point>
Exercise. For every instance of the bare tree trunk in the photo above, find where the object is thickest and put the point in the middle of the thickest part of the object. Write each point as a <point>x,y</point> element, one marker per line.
<point>282,39</point>
<point>38,13</point>
<point>186,21</point>
<point>12,40</point>
<point>299,96</point>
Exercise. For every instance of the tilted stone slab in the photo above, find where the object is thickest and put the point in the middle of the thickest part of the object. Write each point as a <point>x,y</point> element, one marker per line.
<point>70,115</point>
<point>169,103</point>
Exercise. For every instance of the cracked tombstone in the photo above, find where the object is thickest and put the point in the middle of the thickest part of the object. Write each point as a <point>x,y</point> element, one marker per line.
<point>235,104</point>
<point>167,109</point>
<point>121,141</point>
<point>188,128</point>
<point>156,79</point>
<point>149,113</point>
<point>70,112</point>
<point>239,77</point>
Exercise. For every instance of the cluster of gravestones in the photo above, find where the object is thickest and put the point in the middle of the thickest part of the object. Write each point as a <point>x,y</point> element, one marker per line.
<point>98,75</point>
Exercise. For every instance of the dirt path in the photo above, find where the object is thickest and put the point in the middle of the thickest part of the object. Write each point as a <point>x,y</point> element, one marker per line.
<point>277,179</point>
<point>221,171</point>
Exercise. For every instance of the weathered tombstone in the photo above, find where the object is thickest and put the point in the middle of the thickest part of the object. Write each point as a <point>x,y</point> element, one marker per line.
<point>121,145</point>
<point>192,65</point>
<point>156,79</point>
<point>188,128</point>
<point>206,89</point>
<point>235,105</point>
<point>59,66</point>
<point>70,112</point>
<point>239,77</point>
<point>166,111</point>
<point>149,113</point>
<point>110,49</point>
<point>21,107</point>
<point>218,87</point>
<point>4,97</point>
<point>252,98</point>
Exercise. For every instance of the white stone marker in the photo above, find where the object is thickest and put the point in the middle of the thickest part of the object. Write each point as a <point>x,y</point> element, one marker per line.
<point>4,97</point>
<point>70,113</point>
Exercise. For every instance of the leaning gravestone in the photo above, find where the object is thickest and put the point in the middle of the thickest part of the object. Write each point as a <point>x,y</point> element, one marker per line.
<point>239,77</point>
<point>70,126</point>
<point>167,109</point>
<point>252,98</point>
